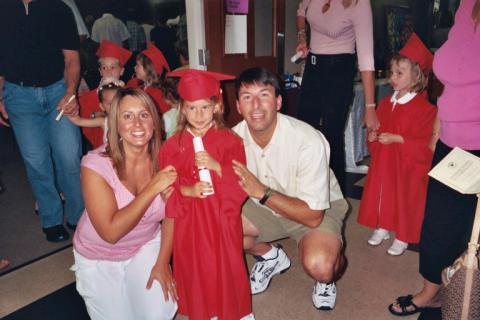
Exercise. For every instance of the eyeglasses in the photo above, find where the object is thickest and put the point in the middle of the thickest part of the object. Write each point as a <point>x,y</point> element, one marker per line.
<point>326,6</point>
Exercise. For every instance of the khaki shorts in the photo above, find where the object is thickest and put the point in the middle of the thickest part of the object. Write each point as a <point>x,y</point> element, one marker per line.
<point>271,227</point>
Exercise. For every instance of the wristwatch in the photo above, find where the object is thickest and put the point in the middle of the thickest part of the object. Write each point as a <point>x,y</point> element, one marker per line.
<point>268,193</point>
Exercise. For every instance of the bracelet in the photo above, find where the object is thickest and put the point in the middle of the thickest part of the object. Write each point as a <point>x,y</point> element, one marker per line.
<point>370,105</point>
<point>268,193</point>
<point>301,31</point>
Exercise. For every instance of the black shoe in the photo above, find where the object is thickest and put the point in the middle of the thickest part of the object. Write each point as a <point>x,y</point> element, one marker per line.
<point>72,227</point>
<point>56,233</point>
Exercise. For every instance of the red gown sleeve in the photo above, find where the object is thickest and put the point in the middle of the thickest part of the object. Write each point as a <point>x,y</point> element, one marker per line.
<point>90,103</point>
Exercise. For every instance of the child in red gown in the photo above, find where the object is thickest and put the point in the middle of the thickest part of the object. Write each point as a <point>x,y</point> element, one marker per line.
<point>111,59</point>
<point>208,265</point>
<point>396,185</point>
<point>150,71</point>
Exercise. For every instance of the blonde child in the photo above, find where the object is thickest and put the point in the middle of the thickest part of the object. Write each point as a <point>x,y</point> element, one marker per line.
<point>106,93</point>
<point>395,189</point>
<point>111,61</point>
<point>208,266</point>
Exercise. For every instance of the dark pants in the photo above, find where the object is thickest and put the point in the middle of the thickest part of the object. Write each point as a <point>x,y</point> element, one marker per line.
<point>325,97</point>
<point>447,225</point>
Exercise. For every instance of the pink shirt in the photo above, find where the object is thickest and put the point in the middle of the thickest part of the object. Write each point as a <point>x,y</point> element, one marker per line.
<point>338,30</point>
<point>87,241</point>
<point>457,66</point>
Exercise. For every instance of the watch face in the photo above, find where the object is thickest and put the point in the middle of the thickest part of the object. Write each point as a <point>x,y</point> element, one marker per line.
<point>92,115</point>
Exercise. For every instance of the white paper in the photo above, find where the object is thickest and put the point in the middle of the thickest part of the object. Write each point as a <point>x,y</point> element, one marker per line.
<point>460,170</point>
<point>235,34</point>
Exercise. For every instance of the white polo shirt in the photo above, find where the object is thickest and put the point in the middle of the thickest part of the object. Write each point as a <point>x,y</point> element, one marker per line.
<point>295,162</point>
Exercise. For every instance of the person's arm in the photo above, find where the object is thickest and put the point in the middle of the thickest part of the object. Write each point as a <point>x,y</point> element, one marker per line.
<point>435,134</point>
<point>368,82</point>
<point>291,208</point>
<point>72,77</point>
<point>110,222</point>
<point>301,36</point>
<point>3,111</point>
<point>97,122</point>
<point>161,271</point>
<point>363,27</point>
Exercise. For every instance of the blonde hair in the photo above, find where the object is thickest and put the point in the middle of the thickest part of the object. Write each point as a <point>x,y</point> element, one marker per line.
<point>115,148</point>
<point>217,116</point>
<point>419,78</point>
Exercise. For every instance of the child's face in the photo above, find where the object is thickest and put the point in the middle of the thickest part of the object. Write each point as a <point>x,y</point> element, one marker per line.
<point>106,105</point>
<point>199,114</point>
<point>140,71</point>
<point>401,76</point>
<point>110,67</point>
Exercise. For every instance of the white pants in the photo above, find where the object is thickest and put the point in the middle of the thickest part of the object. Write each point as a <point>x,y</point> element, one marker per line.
<point>117,289</point>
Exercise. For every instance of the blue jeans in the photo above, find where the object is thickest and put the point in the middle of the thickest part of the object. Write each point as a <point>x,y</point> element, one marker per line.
<point>49,148</point>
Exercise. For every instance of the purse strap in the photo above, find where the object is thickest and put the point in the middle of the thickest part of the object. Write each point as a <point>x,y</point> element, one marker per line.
<point>469,263</point>
<point>473,244</point>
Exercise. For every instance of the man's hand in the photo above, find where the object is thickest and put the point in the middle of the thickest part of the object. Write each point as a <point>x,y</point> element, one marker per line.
<point>249,183</point>
<point>372,136</point>
<point>3,115</point>
<point>68,105</point>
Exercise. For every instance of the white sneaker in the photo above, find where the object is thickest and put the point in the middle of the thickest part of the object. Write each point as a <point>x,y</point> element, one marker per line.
<point>264,270</point>
<point>397,248</point>
<point>324,295</point>
<point>378,236</point>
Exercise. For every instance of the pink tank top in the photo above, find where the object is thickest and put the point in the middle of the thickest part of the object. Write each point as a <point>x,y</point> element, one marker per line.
<point>89,244</point>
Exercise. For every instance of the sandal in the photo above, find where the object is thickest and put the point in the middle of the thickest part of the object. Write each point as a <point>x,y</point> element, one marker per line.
<point>406,305</point>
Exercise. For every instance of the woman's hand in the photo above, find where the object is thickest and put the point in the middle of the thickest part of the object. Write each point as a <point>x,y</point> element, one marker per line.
<point>371,119</point>
<point>163,274</point>
<point>302,47</point>
<point>372,136</point>
<point>388,138</point>
<point>164,178</point>
<point>165,194</point>
<point>249,183</point>
<point>198,190</point>
<point>205,160</point>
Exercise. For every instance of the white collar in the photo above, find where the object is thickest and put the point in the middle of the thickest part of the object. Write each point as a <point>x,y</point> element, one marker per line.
<point>107,15</point>
<point>405,99</point>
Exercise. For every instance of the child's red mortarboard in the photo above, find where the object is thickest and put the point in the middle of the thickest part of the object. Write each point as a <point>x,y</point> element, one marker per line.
<point>415,50</point>
<point>112,50</point>
<point>157,57</point>
<point>198,84</point>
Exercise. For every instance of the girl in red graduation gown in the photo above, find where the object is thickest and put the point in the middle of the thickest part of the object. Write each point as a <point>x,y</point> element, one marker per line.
<point>395,189</point>
<point>149,71</point>
<point>208,266</point>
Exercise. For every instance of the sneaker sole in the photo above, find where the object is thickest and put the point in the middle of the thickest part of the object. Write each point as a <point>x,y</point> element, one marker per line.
<point>270,281</point>
<point>324,308</point>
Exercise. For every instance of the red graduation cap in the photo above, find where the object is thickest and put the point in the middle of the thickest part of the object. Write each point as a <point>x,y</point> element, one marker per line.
<point>198,84</point>
<point>112,50</point>
<point>157,57</point>
<point>415,50</point>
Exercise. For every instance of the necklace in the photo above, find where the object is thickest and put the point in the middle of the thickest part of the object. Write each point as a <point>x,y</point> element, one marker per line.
<point>326,6</point>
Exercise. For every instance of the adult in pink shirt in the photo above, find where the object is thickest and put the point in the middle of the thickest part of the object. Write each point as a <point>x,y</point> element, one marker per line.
<point>338,29</point>
<point>449,215</point>
<point>117,241</point>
